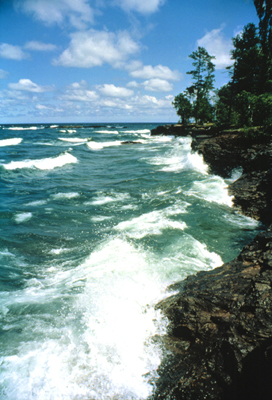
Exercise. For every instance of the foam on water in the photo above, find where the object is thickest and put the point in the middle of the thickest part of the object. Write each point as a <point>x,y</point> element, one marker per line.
<point>104,199</point>
<point>23,217</point>
<point>109,356</point>
<point>152,223</point>
<point>179,158</point>
<point>139,131</point>
<point>30,128</point>
<point>10,142</point>
<point>43,164</point>
<point>71,195</point>
<point>113,132</point>
<point>100,145</point>
<point>74,140</point>
<point>212,189</point>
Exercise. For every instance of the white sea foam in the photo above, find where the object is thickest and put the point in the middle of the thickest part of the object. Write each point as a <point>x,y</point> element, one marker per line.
<point>30,128</point>
<point>23,217</point>
<point>139,131</point>
<point>100,218</point>
<point>100,145</point>
<point>212,189</point>
<point>112,197</point>
<point>43,164</point>
<point>74,140</point>
<point>70,195</point>
<point>113,132</point>
<point>71,130</point>
<point>152,223</point>
<point>37,203</point>
<point>53,126</point>
<point>10,142</point>
<point>59,251</point>
<point>112,352</point>
<point>179,158</point>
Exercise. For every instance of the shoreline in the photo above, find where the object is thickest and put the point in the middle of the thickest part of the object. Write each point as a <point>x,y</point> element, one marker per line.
<point>220,322</point>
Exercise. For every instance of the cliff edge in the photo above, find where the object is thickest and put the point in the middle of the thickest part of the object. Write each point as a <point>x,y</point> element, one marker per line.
<point>220,321</point>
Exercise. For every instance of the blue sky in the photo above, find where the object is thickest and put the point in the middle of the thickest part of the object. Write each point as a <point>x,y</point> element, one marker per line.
<point>108,60</point>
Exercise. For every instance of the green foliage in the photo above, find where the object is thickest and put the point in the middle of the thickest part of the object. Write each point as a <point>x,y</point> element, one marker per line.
<point>183,107</point>
<point>195,100</point>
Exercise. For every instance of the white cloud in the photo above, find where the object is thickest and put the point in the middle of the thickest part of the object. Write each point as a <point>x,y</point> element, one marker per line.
<point>42,107</point>
<point>114,91</point>
<point>79,91</point>
<point>12,52</point>
<point>29,86</point>
<point>94,48</point>
<point>149,72</point>
<point>141,6</point>
<point>78,12</point>
<point>39,46</point>
<point>219,46</point>
<point>158,85</point>
<point>3,74</point>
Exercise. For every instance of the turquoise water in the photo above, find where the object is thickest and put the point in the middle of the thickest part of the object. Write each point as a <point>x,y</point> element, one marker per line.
<point>92,232</point>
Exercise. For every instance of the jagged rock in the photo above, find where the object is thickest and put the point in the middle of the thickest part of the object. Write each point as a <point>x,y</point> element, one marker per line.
<point>253,195</point>
<point>220,332</point>
<point>228,151</point>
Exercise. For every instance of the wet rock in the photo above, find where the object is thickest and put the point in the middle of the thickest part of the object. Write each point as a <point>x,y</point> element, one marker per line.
<point>220,332</point>
<point>219,343</point>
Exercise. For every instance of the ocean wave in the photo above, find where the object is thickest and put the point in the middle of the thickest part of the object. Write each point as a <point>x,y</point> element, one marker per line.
<point>114,132</point>
<point>19,128</point>
<point>71,195</point>
<point>10,142</point>
<point>22,217</point>
<point>100,145</point>
<point>152,223</point>
<point>212,189</point>
<point>42,164</point>
<point>140,131</point>
<point>113,197</point>
<point>75,140</point>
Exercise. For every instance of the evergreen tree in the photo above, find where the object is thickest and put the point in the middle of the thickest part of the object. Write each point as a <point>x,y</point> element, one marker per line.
<point>264,12</point>
<point>183,107</point>
<point>203,77</point>
<point>248,60</point>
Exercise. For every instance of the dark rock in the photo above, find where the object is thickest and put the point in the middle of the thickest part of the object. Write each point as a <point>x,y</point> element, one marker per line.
<point>219,342</point>
<point>129,142</point>
<point>253,195</point>
<point>229,150</point>
<point>184,130</point>
<point>220,332</point>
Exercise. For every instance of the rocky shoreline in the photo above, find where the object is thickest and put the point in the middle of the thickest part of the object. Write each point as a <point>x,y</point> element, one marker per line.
<point>220,331</point>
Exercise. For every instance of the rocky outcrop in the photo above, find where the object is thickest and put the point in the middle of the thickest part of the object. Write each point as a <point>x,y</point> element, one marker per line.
<point>219,343</point>
<point>253,190</point>
<point>220,333</point>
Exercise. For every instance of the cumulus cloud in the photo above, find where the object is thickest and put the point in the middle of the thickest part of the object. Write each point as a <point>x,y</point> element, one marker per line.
<point>77,12</point>
<point>39,46</point>
<point>114,91</point>
<point>158,85</point>
<point>3,74</point>
<point>12,52</point>
<point>141,6</point>
<point>153,85</point>
<point>94,48</point>
<point>79,91</point>
<point>148,72</point>
<point>29,86</point>
<point>217,45</point>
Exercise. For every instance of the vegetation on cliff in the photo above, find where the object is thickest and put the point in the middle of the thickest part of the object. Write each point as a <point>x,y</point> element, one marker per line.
<point>246,100</point>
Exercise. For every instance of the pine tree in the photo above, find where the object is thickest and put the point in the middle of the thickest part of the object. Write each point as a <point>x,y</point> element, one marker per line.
<point>203,77</point>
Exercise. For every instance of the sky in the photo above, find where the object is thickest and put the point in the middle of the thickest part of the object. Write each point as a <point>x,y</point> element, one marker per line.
<point>108,60</point>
